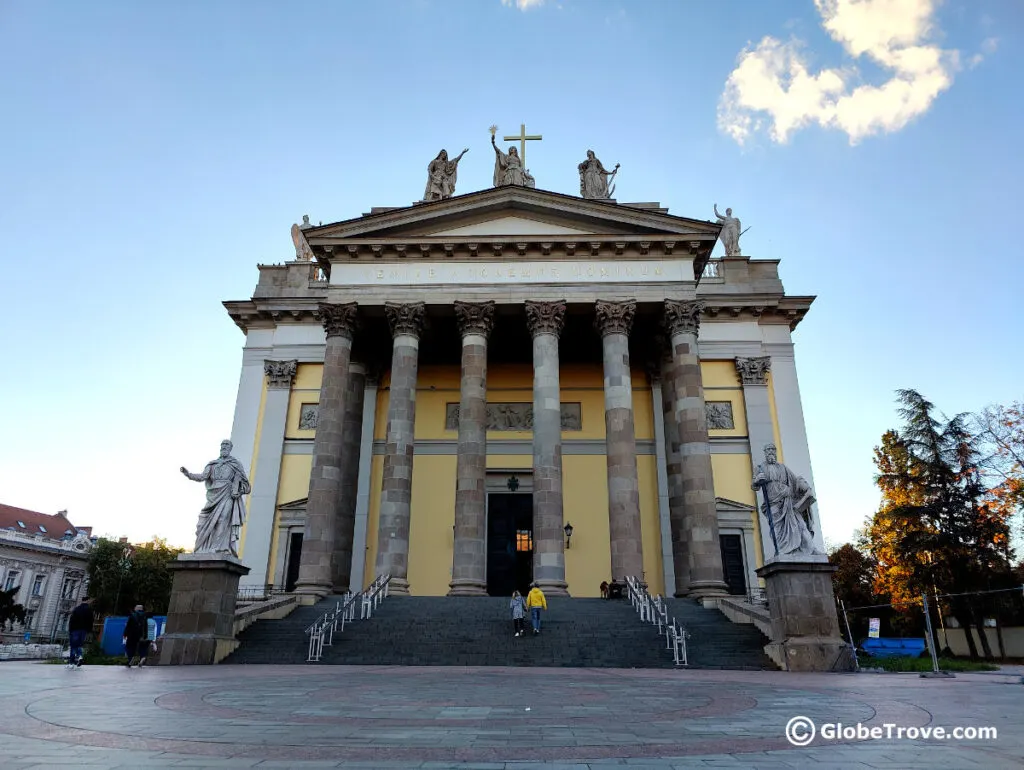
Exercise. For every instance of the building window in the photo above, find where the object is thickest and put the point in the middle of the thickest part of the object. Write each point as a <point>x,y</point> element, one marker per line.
<point>21,524</point>
<point>13,579</point>
<point>37,585</point>
<point>524,540</point>
<point>42,529</point>
<point>69,589</point>
<point>62,621</point>
<point>30,618</point>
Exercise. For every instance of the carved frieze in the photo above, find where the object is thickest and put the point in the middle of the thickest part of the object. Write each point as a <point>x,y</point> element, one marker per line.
<point>308,416</point>
<point>516,416</point>
<point>475,317</point>
<point>545,317</point>
<point>405,318</point>
<point>754,371</point>
<point>682,317</point>
<point>719,414</point>
<point>615,317</point>
<point>338,320</point>
<point>280,373</point>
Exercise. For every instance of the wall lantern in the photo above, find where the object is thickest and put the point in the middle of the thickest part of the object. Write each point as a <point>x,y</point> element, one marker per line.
<point>513,483</point>
<point>568,533</point>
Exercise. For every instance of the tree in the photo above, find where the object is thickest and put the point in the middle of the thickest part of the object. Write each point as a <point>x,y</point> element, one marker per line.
<point>122,575</point>
<point>1001,431</point>
<point>853,583</point>
<point>10,611</point>
<point>938,523</point>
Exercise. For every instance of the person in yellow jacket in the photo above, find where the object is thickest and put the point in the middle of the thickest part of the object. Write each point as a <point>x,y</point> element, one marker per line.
<point>535,602</point>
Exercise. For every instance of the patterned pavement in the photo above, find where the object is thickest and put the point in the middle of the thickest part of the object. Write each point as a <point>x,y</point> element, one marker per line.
<point>377,717</point>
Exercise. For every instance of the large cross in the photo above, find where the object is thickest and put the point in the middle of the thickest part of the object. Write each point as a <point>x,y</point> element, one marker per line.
<point>522,139</point>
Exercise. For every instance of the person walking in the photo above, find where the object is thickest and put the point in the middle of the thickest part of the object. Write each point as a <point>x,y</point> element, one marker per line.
<point>536,602</point>
<point>518,607</point>
<point>149,643</point>
<point>135,635</point>
<point>79,626</point>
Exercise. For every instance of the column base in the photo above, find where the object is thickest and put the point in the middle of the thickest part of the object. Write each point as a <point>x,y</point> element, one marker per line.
<point>398,587</point>
<point>311,593</point>
<point>466,587</point>
<point>707,592</point>
<point>553,587</point>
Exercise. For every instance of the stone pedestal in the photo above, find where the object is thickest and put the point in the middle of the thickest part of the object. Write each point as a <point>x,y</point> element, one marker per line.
<point>805,627</point>
<point>200,620</point>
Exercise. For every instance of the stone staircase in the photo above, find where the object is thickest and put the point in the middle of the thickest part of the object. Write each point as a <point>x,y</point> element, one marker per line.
<point>477,631</point>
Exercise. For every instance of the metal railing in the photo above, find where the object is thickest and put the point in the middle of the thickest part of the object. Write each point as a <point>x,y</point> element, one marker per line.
<point>654,611</point>
<point>757,596</point>
<point>258,593</point>
<point>321,631</point>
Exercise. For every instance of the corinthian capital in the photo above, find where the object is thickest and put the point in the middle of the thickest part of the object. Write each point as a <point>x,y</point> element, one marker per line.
<point>280,373</point>
<point>754,371</point>
<point>338,320</point>
<point>615,317</point>
<point>405,318</point>
<point>545,317</point>
<point>475,317</point>
<point>682,317</point>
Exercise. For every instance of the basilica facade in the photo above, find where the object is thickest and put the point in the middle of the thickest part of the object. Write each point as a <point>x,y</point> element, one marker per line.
<point>514,385</point>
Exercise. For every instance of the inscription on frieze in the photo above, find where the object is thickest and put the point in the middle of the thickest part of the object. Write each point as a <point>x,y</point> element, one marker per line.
<point>308,416</point>
<point>719,415</point>
<point>516,416</point>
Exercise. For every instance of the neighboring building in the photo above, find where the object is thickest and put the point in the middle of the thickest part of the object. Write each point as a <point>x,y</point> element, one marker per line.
<point>587,295</point>
<point>44,556</point>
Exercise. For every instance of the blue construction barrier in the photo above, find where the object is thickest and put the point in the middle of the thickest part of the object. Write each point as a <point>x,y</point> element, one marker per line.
<point>113,633</point>
<point>889,647</point>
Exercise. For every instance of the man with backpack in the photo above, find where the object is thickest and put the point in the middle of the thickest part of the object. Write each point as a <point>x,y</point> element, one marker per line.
<point>79,626</point>
<point>135,636</point>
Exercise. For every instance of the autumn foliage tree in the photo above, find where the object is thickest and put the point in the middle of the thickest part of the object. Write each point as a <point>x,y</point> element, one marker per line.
<point>122,575</point>
<point>938,525</point>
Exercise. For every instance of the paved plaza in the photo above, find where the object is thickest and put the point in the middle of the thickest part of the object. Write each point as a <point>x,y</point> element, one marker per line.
<point>370,717</point>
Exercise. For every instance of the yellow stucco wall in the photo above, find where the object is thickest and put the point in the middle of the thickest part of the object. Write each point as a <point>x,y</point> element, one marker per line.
<point>588,561</point>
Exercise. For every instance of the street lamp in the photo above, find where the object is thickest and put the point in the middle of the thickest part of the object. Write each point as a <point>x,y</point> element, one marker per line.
<point>568,533</point>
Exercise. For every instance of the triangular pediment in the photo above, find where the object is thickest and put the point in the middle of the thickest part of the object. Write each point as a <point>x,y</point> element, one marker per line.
<point>725,504</point>
<point>511,211</point>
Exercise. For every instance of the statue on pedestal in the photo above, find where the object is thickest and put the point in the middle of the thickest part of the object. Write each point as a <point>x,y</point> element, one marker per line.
<point>508,168</point>
<point>221,519</point>
<point>594,179</point>
<point>302,251</point>
<point>730,236</point>
<point>787,506</point>
<point>441,176</point>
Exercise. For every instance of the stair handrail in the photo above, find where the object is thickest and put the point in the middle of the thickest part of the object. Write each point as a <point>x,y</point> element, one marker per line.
<point>321,631</point>
<point>655,611</point>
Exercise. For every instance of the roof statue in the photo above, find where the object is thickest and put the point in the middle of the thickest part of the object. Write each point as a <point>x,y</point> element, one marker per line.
<point>594,179</point>
<point>730,235</point>
<point>302,251</point>
<point>441,176</point>
<point>508,167</point>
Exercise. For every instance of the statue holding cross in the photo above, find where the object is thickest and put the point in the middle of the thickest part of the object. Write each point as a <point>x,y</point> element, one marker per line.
<point>510,168</point>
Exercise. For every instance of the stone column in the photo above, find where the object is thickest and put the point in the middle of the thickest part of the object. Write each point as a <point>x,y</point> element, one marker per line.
<point>469,566</point>
<point>259,529</point>
<point>406,323</point>
<point>614,321</point>
<point>682,320</point>
<point>351,436</point>
<point>356,580</point>
<point>545,321</point>
<point>325,492</point>
<point>661,460</point>
<point>754,376</point>
<point>674,468</point>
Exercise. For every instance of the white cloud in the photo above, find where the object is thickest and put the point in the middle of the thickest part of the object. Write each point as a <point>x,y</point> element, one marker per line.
<point>523,5</point>
<point>773,89</point>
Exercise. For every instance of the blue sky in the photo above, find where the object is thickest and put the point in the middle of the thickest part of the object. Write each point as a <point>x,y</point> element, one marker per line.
<point>154,154</point>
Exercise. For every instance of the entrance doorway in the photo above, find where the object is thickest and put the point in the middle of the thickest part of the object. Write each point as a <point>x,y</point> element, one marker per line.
<point>732,564</point>
<point>509,543</point>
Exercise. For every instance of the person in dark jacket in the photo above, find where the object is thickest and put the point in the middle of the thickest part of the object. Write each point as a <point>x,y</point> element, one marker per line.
<point>79,626</point>
<point>135,635</point>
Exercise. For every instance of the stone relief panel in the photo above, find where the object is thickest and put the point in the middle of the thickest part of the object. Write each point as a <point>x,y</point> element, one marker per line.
<point>308,416</point>
<point>512,416</point>
<point>719,415</point>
